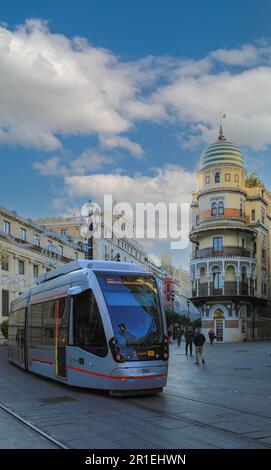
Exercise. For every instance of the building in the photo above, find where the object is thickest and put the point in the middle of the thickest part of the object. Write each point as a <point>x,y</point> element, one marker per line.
<point>26,251</point>
<point>111,246</point>
<point>230,266</point>
<point>177,288</point>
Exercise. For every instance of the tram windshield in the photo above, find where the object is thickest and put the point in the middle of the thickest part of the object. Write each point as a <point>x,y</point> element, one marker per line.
<point>135,313</point>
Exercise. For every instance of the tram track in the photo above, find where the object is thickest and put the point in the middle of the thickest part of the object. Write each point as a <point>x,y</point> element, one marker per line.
<point>218,405</point>
<point>57,443</point>
<point>203,425</point>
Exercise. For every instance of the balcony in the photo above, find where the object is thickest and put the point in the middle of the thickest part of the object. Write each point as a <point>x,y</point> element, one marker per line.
<point>230,290</point>
<point>228,251</point>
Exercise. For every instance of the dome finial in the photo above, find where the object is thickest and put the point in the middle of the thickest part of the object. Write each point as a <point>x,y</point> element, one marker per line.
<point>220,134</point>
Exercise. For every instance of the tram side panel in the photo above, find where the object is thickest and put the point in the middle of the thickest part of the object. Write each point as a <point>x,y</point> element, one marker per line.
<point>17,337</point>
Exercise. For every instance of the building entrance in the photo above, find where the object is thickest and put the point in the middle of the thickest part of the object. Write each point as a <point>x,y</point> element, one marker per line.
<point>219,324</point>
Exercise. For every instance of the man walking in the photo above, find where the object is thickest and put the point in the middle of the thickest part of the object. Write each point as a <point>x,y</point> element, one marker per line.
<point>199,340</point>
<point>178,334</point>
<point>189,336</point>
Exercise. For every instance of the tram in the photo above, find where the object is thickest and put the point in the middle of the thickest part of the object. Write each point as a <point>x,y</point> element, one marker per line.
<point>94,324</point>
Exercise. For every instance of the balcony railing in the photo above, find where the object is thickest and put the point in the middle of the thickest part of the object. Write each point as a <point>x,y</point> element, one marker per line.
<point>225,251</point>
<point>230,289</point>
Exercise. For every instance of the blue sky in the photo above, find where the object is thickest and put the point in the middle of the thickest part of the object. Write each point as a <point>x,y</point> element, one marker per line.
<point>131,105</point>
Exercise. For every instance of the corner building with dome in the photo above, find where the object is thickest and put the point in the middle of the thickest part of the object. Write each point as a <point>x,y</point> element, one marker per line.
<point>230,262</point>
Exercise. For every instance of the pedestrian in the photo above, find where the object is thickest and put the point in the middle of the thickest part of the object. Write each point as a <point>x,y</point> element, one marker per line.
<point>211,335</point>
<point>178,335</point>
<point>169,334</point>
<point>189,337</point>
<point>199,340</point>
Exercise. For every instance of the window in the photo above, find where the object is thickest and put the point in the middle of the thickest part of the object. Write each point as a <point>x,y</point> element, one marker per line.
<point>21,267</point>
<point>217,177</point>
<point>88,328</point>
<point>42,324</point>
<point>221,208</point>
<point>263,216</point>
<point>23,234</point>
<point>236,178</point>
<point>241,210</point>
<point>253,214</point>
<point>37,240</point>
<point>64,232</point>
<point>227,176</point>
<point>207,179</point>
<point>197,219</point>
<point>60,250</point>
<point>214,209</point>
<point>6,227</point>
<point>5,303</point>
<point>217,244</point>
<point>49,245</point>
<point>35,270</point>
<point>218,280</point>
<point>4,264</point>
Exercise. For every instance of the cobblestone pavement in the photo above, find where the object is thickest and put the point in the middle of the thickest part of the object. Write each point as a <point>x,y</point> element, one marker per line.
<point>225,403</point>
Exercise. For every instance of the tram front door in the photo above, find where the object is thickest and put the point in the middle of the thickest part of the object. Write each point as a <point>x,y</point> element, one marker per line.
<point>61,337</point>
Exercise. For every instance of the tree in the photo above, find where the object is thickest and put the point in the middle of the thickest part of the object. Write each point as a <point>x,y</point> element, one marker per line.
<point>4,328</point>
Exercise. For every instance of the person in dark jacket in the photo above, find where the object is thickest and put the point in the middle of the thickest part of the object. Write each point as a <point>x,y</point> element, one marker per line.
<point>211,335</point>
<point>199,340</point>
<point>189,337</point>
<point>178,334</point>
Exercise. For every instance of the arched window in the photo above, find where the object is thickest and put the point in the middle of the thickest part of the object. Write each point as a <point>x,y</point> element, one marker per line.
<point>214,209</point>
<point>217,177</point>
<point>253,214</point>
<point>221,208</point>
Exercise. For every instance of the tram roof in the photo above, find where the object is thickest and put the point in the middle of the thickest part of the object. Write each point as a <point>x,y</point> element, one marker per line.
<point>97,265</point>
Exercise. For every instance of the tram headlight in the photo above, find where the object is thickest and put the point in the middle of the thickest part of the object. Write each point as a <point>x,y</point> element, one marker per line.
<point>115,350</point>
<point>165,348</point>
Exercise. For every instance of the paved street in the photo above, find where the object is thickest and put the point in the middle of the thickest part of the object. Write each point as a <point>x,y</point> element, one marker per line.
<point>223,404</point>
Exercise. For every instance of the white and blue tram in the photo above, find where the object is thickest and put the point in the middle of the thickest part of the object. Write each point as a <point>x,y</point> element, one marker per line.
<point>95,324</point>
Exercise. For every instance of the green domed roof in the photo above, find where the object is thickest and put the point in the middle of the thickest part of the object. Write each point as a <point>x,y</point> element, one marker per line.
<point>222,151</point>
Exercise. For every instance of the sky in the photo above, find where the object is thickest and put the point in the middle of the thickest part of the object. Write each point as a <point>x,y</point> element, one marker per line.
<point>122,97</point>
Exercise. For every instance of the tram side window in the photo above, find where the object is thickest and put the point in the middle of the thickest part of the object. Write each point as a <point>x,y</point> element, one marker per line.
<point>48,323</point>
<point>42,324</point>
<point>88,328</point>
<point>35,324</point>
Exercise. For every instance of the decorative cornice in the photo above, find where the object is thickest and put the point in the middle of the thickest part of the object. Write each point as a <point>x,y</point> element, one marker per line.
<point>222,189</point>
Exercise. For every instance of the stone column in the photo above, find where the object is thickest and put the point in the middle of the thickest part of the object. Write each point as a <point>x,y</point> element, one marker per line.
<point>238,283</point>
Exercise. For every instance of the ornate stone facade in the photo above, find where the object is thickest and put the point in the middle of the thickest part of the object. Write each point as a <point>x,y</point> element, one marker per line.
<point>230,264</point>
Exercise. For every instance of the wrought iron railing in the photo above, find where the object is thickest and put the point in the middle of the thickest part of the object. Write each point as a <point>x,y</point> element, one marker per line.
<point>225,251</point>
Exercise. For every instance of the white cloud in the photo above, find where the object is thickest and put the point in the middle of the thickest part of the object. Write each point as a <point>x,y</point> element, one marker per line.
<point>52,86</point>
<point>245,98</point>
<point>246,55</point>
<point>116,141</point>
<point>49,168</point>
<point>89,162</point>
<point>168,184</point>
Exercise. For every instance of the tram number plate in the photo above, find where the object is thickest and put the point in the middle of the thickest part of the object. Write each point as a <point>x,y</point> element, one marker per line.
<point>151,353</point>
